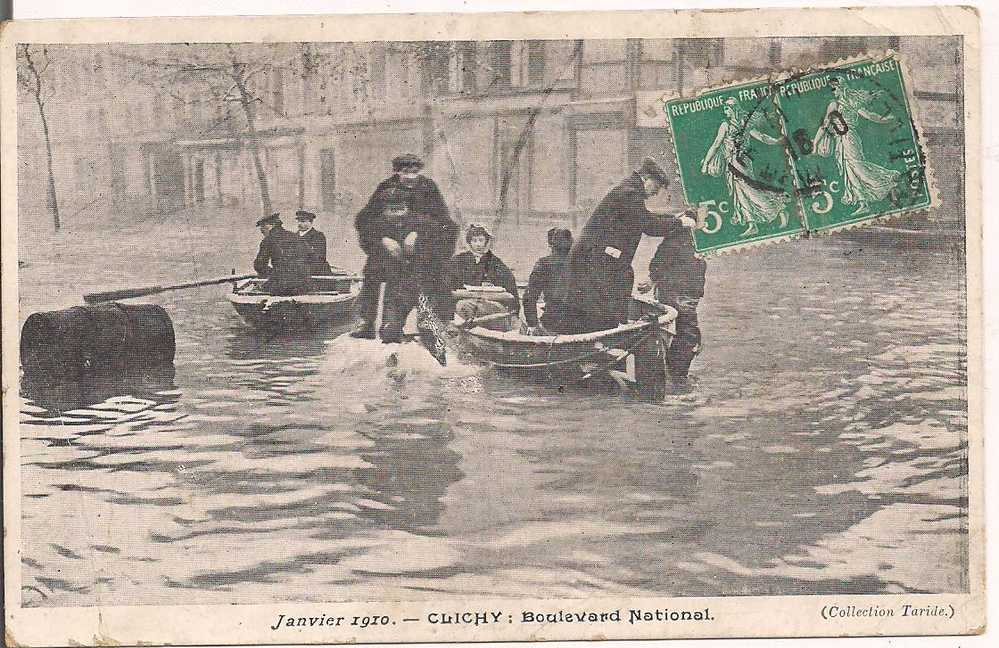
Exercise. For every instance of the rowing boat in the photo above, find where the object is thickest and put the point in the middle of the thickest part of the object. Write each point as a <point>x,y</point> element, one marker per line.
<point>633,352</point>
<point>329,303</point>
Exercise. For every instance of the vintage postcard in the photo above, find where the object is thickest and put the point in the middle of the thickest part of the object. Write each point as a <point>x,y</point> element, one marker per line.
<point>492,327</point>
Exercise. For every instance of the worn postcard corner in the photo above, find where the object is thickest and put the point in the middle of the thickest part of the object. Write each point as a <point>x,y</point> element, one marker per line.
<point>567,326</point>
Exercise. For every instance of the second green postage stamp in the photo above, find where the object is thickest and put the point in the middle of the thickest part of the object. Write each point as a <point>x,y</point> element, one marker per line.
<point>808,152</point>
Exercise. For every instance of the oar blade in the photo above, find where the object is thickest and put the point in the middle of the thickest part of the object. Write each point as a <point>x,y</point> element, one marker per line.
<point>114,295</point>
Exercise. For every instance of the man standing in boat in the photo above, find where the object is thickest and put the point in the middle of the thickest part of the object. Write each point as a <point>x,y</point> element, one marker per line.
<point>422,197</point>
<point>601,278</point>
<point>282,259</point>
<point>315,240</point>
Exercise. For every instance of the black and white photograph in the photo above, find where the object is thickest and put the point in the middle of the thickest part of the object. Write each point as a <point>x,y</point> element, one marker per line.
<point>301,326</point>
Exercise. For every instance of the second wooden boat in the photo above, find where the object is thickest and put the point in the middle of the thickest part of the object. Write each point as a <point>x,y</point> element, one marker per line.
<point>331,303</point>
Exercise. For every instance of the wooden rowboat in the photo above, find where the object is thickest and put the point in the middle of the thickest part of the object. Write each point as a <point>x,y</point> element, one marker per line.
<point>632,352</point>
<point>331,303</point>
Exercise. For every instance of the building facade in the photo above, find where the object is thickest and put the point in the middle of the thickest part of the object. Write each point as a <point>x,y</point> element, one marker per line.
<point>528,129</point>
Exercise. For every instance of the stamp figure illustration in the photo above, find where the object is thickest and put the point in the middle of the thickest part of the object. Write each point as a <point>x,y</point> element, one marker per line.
<point>853,144</point>
<point>733,166</point>
<point>805,153</point>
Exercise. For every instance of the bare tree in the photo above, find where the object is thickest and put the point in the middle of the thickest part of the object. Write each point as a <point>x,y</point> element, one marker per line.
<point>231,77</point>
<point>31,74</point>
<point>235,78</point>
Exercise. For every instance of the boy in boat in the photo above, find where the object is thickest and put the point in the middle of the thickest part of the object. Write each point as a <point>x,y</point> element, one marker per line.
<point>316,241</point>
<point>480,267</point>
<point>601,277</point>
<point>549,278</point>
<point>414,251</point>
<point>282,259</point>
<point>678,276</point>
<point>421,196</point>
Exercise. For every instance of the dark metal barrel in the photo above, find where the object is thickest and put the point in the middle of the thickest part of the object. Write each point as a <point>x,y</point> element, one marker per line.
<point>77,340</point>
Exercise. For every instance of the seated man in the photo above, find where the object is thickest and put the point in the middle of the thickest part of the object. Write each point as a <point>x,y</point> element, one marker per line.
<point>281,259</point>
<point>480,267</point>
<point>316,241</point>
<point>550,278</point>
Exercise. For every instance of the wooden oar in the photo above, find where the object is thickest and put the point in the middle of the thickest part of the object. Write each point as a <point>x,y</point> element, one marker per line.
<point>127,293</point>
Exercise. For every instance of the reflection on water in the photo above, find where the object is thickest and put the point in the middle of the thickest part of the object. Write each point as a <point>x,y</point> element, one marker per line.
<point>824,451</point>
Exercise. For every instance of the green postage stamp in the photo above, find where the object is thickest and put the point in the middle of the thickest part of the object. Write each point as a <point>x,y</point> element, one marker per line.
<point>806,152</point>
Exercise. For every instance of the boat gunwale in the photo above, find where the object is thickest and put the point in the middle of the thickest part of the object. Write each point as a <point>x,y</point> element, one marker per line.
<point>238,297</point>
<point>668,315</point>
<point>316,299</point>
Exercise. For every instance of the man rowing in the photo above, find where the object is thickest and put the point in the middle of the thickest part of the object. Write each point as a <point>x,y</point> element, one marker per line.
<point>549,279</point>
<point>282,259</point>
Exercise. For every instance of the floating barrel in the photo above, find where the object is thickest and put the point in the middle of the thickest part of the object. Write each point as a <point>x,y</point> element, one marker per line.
<point>82,339</point>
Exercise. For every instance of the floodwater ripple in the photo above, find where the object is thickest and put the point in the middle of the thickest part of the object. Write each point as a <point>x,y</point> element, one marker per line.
<point>825,451</point>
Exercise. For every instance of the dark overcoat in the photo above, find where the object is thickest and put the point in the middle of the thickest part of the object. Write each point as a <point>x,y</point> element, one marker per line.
<point>423,198</point>
<point>283,260</point>
<point>675,268</point>
<point>601,278</point>
<point>424,270</point>
<point>316,241</point>
<point>550,277</point>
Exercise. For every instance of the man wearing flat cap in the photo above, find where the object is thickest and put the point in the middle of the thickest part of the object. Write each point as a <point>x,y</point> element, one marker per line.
<point>282,259</point>
<point>315,240</point>
<point>601,278</point>
<point>422,198</point>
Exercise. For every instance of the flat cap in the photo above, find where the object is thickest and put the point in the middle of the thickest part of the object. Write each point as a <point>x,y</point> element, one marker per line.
<point>651,169</point>
<point>303,215</point>
<point>273,219</point>
<point>406,161</point>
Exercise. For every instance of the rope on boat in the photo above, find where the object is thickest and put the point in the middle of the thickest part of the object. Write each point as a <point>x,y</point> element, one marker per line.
<point>630,350</point>
<point>654,330</point>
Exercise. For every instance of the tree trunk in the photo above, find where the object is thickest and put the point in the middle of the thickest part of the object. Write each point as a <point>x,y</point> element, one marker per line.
<point>265,194</point>
<point>251,126</point>
<point>50,198</point>
<point>218,179</point>
<point>301,176</point>
<point>51,202</point>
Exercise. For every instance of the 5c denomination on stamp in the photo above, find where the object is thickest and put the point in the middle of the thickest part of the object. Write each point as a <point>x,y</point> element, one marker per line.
<point>800,153</point>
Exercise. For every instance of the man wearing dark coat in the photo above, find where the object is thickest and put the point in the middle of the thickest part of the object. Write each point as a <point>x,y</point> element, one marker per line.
<point>550,277</point>
<point>282,259</point>
<point>601,277</point>
<point>413,252</point>
<point>315,240</point>
<point>422,197</point>
<point>678,276</point>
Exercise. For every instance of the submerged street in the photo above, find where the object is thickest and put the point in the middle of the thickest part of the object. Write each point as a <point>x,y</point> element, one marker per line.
<point>823,451</point>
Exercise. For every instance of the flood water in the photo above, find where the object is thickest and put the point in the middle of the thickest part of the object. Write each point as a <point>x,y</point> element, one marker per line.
<point>825,451</point>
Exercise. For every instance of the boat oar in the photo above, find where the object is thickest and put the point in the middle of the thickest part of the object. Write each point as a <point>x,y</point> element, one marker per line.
<point>127,293</point>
